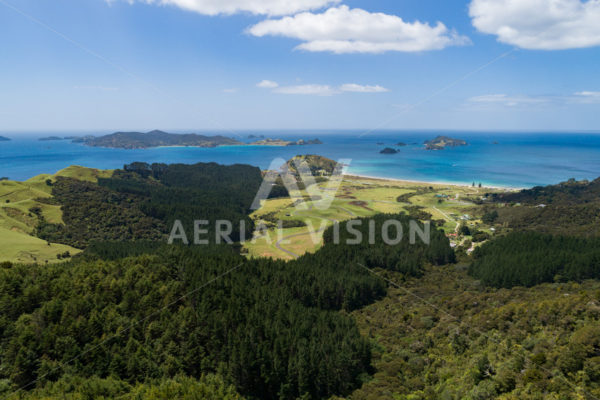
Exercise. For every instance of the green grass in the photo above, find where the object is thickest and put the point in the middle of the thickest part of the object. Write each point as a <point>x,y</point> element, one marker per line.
<point>374,196</point>
<point>19,247</point>
<point>17,222</point>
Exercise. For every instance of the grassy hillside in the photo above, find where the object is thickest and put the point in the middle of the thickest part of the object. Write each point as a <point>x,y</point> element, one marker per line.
<point>19,205</point>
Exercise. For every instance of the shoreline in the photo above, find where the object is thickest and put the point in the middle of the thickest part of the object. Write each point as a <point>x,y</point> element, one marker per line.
<point>381,178</point>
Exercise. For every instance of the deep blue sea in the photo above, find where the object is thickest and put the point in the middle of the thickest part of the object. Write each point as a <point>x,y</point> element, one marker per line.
<point>517,160</point>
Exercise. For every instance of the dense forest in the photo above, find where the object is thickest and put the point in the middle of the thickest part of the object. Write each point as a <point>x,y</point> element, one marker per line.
<point>142,201</point>
<point>133,317</point>
<point>446,336</point>
<point>530,258</point>
<point>569,208</point>
<point>270,329</point>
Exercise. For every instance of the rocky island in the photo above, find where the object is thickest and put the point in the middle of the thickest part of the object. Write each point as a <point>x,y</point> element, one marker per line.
<point>4,139</point>
<point>139,140</point>
<point>389,150</point>
<point>318,165</point>
<point>441,142</point>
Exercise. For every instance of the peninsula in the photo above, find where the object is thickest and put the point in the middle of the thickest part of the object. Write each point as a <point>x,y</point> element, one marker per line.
<point>441,142</point>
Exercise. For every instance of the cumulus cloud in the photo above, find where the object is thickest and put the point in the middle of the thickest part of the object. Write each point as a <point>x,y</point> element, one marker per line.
<point>267,84</point>
<point>343,30</point>
<point>257,7</point>
<point>539,24</point>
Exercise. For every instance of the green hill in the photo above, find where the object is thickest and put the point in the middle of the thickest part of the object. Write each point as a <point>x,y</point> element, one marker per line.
<point>23,203</point>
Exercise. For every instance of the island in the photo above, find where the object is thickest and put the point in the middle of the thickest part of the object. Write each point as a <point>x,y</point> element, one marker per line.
<point>50,138</point>
<point>4,139</point>
<point>389,150</point>
<point>281,142</point>
<point>441,142</point>
<point>318,165</point>
<point>400,144</point>
<point>156,138</point>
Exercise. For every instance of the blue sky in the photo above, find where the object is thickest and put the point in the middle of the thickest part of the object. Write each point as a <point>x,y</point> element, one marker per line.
<point>324,64</point>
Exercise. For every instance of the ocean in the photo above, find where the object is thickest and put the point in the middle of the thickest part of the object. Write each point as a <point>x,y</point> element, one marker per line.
<point>493,158</point>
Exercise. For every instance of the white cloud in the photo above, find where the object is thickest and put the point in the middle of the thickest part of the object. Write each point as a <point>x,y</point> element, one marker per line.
<point>267,84</point>
<point>343,30</point>
<point>510,101</point>
<point>588,94</point>
<point>539,24</point>
<point>587,97</point>
<point>583,97</point>
<point>228,7</point>
<point>324,90</point>
<point>353,87</point>
<point>319,90</point>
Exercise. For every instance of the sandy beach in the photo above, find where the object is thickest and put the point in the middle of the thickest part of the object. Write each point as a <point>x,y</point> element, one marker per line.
<point>435,183</point>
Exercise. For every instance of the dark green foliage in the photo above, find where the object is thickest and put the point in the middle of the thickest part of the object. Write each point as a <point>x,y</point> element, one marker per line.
<point>114,250</point>
<point>562,219</point>
<point>405,198</point>
<point>416,212</point>
<point>403,257</point>
<point>570,192</point>
<point>569,208</point>
<point>479,236</point>
<point>92,212</point>
<point>272,220</point>
<point>490,217</point>
<point>249,320</point>
<point>529,258</point>
<point>191,192</point>
<point>272,328</point>
<point>464,230</point>
<point>142,202</point>
<point>207,387</point>
<point>445,336</point>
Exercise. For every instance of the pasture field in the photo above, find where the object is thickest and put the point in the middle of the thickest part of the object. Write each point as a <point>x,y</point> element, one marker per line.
<point>19,203</point>
<point>359,197</point>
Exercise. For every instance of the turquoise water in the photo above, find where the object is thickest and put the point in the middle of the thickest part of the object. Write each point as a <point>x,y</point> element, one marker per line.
<point>518,160</point>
